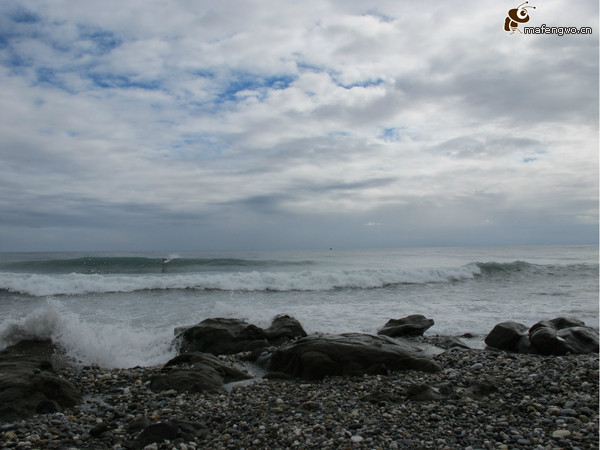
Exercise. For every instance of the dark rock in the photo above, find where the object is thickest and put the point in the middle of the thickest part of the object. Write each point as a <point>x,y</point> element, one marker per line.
<point>44,349</point>
<point>549,340</point>
<point>171,430</point>
<point>562,335</point>
<point>195,359</point>
<point>422,393</point>
<point>188,430</point>
<point>284,328</point>
<point>580,339</point>
<point>413,325</point>
<point>525,346</point>
<point>481,389</point>
<point>29,384</point>
<point>318,356</point>
<point>203,379</point>
<point>380,397</point>
<point>548,337</point>
<point>201,373</point>
<point>506,336</point>
<point>137,425</point>
<point>99,429</point>
<point>46,407</point>
<point>559,323</point>
<point>278,376</point>
<point>221,336</point>
<point>158,432</point>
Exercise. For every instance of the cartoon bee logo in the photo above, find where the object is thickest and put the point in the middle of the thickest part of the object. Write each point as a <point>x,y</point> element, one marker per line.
<point>515,17</point>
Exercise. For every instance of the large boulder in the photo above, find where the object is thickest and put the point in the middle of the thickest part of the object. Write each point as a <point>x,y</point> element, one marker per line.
<point>507,336</point>
<point>284,328</point>
<point>317,356</point>
<point>413,325</point>
<point>561,336</point>
<point>196,372</point>
<point>222,336</point>
<point>548,337</point>
<point>29,385</point>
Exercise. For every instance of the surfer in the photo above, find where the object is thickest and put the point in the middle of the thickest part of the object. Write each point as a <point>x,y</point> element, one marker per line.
<point>166,260</point>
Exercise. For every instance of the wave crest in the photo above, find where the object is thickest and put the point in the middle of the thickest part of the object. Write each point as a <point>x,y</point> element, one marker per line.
<point>40,285</point>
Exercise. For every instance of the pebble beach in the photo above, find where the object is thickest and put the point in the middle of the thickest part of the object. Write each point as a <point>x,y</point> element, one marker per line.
<point>482,399</point>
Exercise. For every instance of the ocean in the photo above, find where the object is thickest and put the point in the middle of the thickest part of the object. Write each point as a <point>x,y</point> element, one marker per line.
<point>120,309</point>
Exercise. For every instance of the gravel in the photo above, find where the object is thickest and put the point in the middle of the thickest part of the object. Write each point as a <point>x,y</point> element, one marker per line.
<point>482,399</point>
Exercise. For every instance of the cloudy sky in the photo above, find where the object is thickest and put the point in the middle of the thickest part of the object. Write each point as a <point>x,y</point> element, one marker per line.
<point>190,125</point>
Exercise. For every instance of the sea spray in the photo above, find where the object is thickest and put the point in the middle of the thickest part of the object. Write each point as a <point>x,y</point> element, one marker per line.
<point>88,342</point>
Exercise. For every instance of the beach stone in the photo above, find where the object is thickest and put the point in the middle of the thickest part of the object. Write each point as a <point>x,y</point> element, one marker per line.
<point>29,384</point>
<point>561,336</point>
<point>223,336</point>
<point>202,373</point>
<point>413,325</point>
<point>318,356</point>
<point>506,335</point>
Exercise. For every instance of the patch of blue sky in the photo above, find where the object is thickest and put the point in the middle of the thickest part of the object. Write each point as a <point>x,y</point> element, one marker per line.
<point>23,15</point>
<point>528,160</point>
<point>390,135</point>
<point>251,82</point>
<point>50,77</point>
<point>363,83</point>
<point>103,41</point>
<point>119,81</point>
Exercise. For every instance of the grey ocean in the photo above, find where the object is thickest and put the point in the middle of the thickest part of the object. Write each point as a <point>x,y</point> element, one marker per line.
<point>119,309</point>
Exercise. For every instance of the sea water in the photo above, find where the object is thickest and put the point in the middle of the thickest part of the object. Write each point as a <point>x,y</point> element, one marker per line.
<point>120,309</point>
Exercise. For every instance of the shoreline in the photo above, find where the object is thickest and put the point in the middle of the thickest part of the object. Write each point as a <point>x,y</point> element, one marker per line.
<point>481,399</point>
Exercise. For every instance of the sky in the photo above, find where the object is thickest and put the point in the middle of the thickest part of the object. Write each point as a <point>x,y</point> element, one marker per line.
<point>199,125</point>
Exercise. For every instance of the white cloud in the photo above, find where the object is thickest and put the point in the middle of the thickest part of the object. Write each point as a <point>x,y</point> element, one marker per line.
<point>187,112</point>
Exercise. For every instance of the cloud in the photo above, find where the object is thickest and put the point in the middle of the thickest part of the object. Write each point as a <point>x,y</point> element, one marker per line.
<point>284,117</point>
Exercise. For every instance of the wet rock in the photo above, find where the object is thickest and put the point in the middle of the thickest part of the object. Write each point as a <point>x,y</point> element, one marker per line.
<point>318,356</point>
<point>548,337</point>
<point>222,336</point>
<point>198,360</point>
<point>561,336</point>
<point>413,325</point>
<point>29,385</point>
<point>196,372</point>
<point>284,328</point>
<point>506,335</point>
<point>158,432</point>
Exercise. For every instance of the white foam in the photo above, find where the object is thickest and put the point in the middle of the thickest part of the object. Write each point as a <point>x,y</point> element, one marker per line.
<point>106,345</point>
<point>77,284</point>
